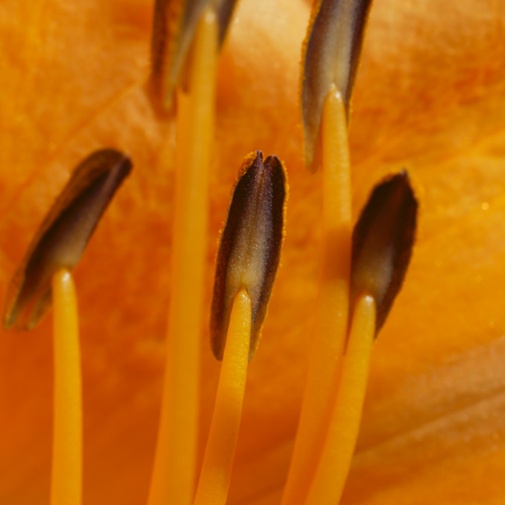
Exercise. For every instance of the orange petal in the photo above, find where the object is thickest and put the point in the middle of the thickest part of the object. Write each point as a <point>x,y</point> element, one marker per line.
<point>430,95</point>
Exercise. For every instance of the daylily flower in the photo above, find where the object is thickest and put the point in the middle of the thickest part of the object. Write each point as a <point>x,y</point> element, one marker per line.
<point>429,96</point>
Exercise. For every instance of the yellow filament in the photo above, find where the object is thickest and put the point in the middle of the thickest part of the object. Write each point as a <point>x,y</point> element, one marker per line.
<point>333,305</point>
<point>66,472</point>
<point>174,467</point>
<point>218,460</point>
<point>335,462</point>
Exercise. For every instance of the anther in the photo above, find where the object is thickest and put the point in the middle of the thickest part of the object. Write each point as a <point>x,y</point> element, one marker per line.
<point>383,240</point>
<point>174,27</point>
<point>250,246</point>
<point>63,235</point>
<point>331,57</point>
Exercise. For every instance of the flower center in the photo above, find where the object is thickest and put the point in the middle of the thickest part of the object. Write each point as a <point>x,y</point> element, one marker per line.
<point>360,275</point>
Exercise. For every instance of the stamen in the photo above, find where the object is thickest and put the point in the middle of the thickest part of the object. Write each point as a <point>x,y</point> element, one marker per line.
<point>66,472</point>
<point>335,462</point>
<point>247,261</point>
<point>382,246</point>
<point>217,466</point>
<point>44,276</point>
<point>173,475</point>
<point>333,303</point>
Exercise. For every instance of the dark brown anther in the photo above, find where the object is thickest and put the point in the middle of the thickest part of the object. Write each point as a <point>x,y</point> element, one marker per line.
<point>250,247</point>
<point>174,26</point>
<point>63,235</point>
<point>383,239</point>
<point>331,57</point>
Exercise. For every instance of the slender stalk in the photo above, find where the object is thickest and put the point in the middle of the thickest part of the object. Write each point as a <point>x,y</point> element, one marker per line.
<point>217,466</point>
<point>66,471</point>
<point>333,305</point>
<point>335,462</point>
<point>174,468</point>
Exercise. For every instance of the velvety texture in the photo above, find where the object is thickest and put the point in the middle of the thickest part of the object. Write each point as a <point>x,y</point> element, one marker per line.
<point>429,96</point>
